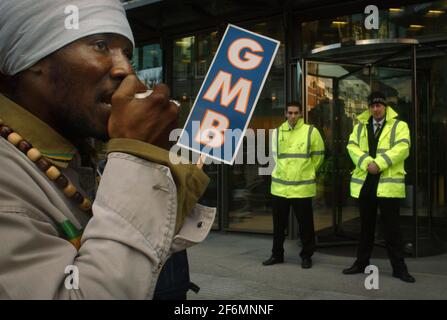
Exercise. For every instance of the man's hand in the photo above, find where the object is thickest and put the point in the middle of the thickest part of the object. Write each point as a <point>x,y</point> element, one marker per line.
<point>373,168</point>
<point>150,119</point>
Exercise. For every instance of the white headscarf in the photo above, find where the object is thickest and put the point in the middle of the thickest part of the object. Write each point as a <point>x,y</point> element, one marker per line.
<point>32,29</point>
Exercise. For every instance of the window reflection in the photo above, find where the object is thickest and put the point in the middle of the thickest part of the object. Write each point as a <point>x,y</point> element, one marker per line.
<point>192,58</point>
<point>151,66</point>
<point>414,21</point>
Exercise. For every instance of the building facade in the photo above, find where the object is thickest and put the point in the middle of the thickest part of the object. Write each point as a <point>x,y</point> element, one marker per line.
<point>332,55</point>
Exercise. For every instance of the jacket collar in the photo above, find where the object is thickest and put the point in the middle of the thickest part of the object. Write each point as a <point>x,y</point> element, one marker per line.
<point>286,126</point>
<point>390,114</point>
<point>50,143</point>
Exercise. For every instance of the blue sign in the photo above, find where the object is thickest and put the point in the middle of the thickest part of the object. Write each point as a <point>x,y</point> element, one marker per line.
<point>228,96</point>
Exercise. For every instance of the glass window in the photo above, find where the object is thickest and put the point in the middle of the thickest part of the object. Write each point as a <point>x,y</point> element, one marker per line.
<point>150,68</point>
<point>432,155</point>
<point>135,60</point>
<point>192,59</point>
<point>415,21</point>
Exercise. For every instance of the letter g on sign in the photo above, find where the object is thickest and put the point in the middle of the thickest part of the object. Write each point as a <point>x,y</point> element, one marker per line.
<point>250,60</point>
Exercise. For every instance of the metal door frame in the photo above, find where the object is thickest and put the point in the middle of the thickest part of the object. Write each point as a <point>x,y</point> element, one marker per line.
<point>409,45</point>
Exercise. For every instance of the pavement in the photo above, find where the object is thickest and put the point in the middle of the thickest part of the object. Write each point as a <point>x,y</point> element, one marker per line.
<point>228,266</point>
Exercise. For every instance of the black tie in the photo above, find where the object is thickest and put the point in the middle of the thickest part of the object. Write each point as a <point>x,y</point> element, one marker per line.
<point>376,133</point>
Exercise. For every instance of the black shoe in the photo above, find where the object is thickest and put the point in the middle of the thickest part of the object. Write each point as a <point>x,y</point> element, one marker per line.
<point>354,269</point>
<point>404,276</point>
<point>272,260</point>
<point>306,263</point>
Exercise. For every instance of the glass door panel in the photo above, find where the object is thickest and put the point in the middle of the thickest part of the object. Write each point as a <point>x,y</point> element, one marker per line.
<point>413,79</point>
<point>335,95</point>
<point>353,90</point>
<point>327,113</point>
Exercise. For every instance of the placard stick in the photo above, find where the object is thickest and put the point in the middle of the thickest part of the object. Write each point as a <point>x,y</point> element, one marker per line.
<point>201,160</point>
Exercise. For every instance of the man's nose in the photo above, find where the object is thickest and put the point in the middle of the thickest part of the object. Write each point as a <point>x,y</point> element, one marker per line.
<point>121,65</point>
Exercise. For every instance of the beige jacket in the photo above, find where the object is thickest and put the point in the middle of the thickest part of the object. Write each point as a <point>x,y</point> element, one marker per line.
<point>126,241</point>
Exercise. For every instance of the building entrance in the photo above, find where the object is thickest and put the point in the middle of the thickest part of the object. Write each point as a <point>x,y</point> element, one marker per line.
<point>333,83</point>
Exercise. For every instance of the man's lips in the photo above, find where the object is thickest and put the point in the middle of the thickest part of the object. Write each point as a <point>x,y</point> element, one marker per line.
<point>108,93</point>
<point>106,99</point>
<point>107,105</point>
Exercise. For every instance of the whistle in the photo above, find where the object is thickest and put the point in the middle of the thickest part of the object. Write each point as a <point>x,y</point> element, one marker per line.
<point>144,95</point>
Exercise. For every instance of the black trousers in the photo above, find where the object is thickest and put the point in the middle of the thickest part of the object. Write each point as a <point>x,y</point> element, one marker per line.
<point>302,207</point>
<point>173,282</point>
<point>389,211</point>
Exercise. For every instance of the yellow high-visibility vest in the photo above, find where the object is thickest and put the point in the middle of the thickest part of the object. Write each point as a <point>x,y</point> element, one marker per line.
<point>392,149</point>
<point>298,153</point>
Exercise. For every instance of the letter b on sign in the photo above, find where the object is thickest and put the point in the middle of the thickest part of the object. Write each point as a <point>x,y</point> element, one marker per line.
<point>212,131</point>
<point>72,20</point>
<point>372,281</point>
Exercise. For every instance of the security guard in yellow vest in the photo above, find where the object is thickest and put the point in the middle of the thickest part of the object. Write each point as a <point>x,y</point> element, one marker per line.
<point>378,146</point>
<point>298,151</point>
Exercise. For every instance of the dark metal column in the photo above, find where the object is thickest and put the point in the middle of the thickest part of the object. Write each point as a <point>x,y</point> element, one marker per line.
<point>415,149</point>
<point>337,210</point>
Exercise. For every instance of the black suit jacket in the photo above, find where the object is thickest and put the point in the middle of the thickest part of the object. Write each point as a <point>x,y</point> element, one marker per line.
<point>372,180</point>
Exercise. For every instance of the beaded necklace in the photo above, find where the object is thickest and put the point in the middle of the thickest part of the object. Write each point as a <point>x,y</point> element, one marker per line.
<point>72,233</point>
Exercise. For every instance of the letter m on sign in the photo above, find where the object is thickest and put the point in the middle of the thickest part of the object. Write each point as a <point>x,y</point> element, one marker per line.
<point>222,85</point>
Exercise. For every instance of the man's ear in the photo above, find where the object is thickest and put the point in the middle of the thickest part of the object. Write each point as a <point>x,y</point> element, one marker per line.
<point>39,67</point>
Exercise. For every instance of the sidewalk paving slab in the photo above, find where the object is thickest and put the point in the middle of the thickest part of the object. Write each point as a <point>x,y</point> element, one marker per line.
<point>228,266</point>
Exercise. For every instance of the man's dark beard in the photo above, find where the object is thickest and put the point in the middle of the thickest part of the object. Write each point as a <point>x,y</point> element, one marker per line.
<point>70,123</point>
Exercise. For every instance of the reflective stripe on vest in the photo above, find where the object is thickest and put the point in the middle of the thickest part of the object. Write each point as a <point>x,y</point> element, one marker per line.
<point>358,181</point>
<point>293,183</point>
<point>393,133</point>
<point>292,155</point>
<point>365,155</point>
<point>387,159</point>
<point>402,140</point>
<point>359,132</point>
<point>381,151</point>
<point>392,180</point>
<point>382,180</point>
<point>392,141</point>
<point>309,135</point>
